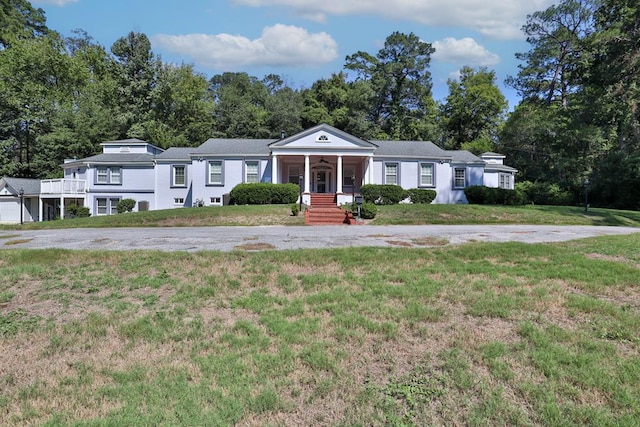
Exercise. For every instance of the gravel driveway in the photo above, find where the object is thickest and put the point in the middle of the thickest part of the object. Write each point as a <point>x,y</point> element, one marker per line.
<point>293,237</point>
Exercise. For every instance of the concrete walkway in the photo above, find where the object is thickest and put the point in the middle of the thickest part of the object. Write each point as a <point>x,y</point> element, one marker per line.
<point>292,237</point>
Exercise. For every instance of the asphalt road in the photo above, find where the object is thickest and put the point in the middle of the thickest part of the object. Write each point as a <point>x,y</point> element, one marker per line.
<point>289,237</point>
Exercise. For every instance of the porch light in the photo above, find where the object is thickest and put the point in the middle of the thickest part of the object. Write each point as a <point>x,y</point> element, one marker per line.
<point>21,193</point>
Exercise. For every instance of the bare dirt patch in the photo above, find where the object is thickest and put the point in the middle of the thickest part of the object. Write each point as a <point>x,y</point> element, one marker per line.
<point>255,246</point>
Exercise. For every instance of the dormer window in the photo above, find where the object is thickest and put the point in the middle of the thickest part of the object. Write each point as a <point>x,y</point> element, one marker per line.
<point>323,138</point>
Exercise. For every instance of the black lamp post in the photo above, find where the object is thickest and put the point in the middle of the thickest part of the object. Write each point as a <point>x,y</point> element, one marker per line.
<point>21,193</point>
<point>300,179</point>
<point>586,194</point>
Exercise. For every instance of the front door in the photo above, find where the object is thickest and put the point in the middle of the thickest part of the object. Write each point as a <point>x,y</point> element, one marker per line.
<point>321,181</point>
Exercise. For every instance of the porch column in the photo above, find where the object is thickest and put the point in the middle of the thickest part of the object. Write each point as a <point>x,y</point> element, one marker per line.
<point>339,178</point>
<point>62,207</point>
<point>274,169</point>
<point>368,176</point>
<point>307,174</point>
<point>40,209</point>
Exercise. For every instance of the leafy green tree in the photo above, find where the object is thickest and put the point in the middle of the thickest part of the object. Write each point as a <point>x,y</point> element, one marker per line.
<point>182,107</point>
<point>400,79</point>
<point>136,71</point>
<point>551,69</point>
<point>614,73</point>
<point>37,80</point>
<point>473,111</point>
<point>240,110</point>
<point>283,106</point>
<point>19,21</point>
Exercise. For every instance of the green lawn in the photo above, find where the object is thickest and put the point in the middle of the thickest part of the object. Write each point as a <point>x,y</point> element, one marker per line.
<point>396,214</point>
<point>476,334</point>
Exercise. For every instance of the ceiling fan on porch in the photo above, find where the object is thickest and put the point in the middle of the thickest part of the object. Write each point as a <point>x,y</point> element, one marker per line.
<point>322,160</point>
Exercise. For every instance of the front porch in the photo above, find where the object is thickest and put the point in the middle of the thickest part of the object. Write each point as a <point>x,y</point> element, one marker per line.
<point>57,194</point>
<point>339,176</point>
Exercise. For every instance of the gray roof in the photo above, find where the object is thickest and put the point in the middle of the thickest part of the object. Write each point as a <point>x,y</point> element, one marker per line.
<point>31,187</point>
<point>234,147</point>
<point>493,167</point>
<point>176,153</point>
<point>127,141</point>
<point>409,149</point>
<point>463,156</point>
<point>114,158</point>
<point>492,154</point>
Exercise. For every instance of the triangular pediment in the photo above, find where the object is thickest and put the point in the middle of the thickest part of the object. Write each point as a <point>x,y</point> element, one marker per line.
<point>322,138</point>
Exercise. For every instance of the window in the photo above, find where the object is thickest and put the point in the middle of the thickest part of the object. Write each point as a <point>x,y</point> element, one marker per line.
<point>215,172</point>
<point>107,205</point>
<point>348,176</point>
<point>178,201</point>
<point>114,175</point>
<point>294,175</point>
<point>108,175</point>
<point>505,181</point>
<point>426,175</point>
<point>215,200</point>
<point>251,172</point>
<point>459,180</point>
<point>391,173</point>
<point>102,176</point>
<point>179,176</point>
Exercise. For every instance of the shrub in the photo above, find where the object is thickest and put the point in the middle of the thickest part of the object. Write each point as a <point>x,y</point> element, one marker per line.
<point>125,205</point>
<point>295,209</point>
<point>262,193</point>
<point>482,195</point>
<point>543,193</point>
<point>421,195</point>
<point>385,194</point>
<point>74,211</point>
<point>367,210</point>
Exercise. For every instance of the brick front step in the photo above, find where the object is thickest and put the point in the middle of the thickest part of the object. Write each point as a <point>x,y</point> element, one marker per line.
<point>326,216</point>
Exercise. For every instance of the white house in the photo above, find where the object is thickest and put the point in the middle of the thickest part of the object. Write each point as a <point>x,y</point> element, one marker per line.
<point>322,159</point>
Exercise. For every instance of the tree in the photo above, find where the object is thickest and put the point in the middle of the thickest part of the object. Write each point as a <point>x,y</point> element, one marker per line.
<point>614,74</point>
<point>556,35</point>
<point>400,80</point>
<point>19,21</point>
<point>182,107</point>
<point>240,110</point>
<point>283,105</point>
<point>136,71</point>
<point>473,111</point>
<point>37,79</point>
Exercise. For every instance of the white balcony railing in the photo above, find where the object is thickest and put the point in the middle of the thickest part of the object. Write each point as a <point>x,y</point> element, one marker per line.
<point>63,186</point>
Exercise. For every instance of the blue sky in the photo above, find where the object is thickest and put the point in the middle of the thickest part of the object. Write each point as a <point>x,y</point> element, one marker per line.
<point>302,40</point>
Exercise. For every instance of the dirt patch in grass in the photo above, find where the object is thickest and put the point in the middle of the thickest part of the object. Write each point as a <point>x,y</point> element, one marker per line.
<point>255,246</point>
<point>399,243</point>
<point>17,242</point>
<point>430,241</point>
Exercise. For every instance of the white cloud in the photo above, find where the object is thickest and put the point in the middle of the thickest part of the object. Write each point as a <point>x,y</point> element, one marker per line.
<point>278,46</point>
<point>498,19</point>
<point>464,51</point>
<point>54,2</point>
